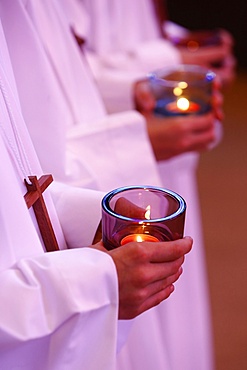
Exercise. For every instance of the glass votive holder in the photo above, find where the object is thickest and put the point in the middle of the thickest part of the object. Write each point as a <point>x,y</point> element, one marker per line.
<point>141,213</point>
<point>182,90</point>
<point>193,40</point>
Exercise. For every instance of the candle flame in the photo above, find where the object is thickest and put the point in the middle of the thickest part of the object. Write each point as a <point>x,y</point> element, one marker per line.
<point>139,238</point>
<point>183,104</point>
<point>147,213</point>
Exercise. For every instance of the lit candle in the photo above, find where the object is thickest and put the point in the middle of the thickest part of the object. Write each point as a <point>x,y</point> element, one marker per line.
<point>182,105</point>
<point>138,238</point>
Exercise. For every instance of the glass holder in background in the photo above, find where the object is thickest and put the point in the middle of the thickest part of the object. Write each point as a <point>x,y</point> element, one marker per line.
<point>182,90</point>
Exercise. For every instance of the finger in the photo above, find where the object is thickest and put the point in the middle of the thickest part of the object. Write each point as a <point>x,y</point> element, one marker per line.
<point>218,129</point>
<point>159,291</point>
<point>131,311</point>
<point>126,208</point>
<point>143,97</point>
<point>155,299</point>
<point>146,290</point>
<point>226,75</point>
<point>200,123</point>
<point>230,62</point>
<point>156,272</point>
<point>165,281</point>
<point>226,37</point>
<point>217,84</point>
<point>209,55</point>
<point>99,246</point>
<point>152,295</point>
<point>217,99</point>
<point>168,251</point>
<point>201,140</point>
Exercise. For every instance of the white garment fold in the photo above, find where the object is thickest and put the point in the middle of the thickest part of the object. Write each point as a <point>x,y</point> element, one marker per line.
<point>62,77</point>
<point>126,50</point>
<point>52,304</point>
<point>123,155</point>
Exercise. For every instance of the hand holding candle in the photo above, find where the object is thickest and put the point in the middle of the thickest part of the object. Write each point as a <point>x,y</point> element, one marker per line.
<point>213,49</point>
<point>147,273</point>
<point>182,90</point>
<point>176,124</point>
<point>142,227</point>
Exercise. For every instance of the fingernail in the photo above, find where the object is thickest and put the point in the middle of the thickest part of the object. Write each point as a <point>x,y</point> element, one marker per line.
<point>188,237</point>
<point>172,288</point>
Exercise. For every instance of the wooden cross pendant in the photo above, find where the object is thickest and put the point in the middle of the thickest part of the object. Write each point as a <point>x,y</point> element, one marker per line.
<point>34,198</point>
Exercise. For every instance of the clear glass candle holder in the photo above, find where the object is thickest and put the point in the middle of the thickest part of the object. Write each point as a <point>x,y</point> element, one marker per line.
<point>182,90</point>
<point>192,40</point>
<point>141,213</point>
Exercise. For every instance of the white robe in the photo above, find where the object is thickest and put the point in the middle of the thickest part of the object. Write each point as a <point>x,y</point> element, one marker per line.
<point>124,40</point>
<point>52,304</point>
<point>63,110</point>
<point>123,52</point>
<point>155,350</point>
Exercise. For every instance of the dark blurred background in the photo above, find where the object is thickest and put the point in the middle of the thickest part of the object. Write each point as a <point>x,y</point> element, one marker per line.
<point>231,15</point>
